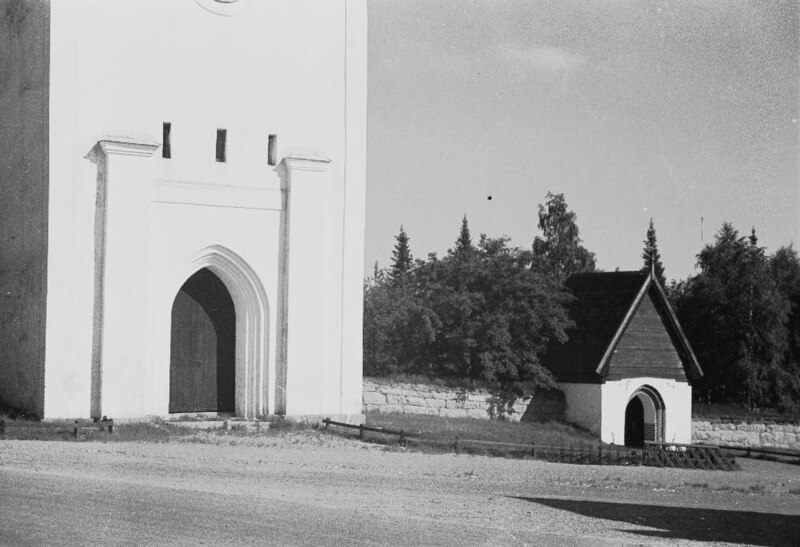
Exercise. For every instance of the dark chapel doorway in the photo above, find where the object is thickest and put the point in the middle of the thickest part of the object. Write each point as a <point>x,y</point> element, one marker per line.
<point>203,347</point>
<point>644,417</point>
<point>634,423</point>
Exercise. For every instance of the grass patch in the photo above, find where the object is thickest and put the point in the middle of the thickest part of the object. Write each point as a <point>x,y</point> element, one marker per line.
<point>155,431</point>
<point>57,431</point>
<point>438,434</point>
<point>752,489</point>
<point>64,430</point>
<point>280,424</point>
<point>150,431</point>
<point>450,429</point>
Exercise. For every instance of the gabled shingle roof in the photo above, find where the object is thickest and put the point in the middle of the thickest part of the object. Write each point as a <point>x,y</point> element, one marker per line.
<point>604,304</point>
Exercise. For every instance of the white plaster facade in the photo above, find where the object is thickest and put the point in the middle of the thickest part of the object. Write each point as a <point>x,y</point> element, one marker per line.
<point>600,407</point>
<point>127,227</point>
<point>583,405</point>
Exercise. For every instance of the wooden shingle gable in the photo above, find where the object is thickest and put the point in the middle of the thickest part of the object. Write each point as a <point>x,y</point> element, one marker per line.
<point>651,288</point>
<point>694,371</point>
<point>614,307</point>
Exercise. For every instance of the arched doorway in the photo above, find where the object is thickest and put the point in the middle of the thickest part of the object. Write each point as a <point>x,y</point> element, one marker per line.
<point>644,417</point>
<point>203,347</point>
<point>634,423</point>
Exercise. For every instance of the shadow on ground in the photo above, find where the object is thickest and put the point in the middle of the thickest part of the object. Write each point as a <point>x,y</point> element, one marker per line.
<point>689,523</point>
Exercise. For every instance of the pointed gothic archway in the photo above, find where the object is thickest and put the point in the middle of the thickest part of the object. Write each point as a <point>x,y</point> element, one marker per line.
<point>202,349</point>
<point>644,417</point>
<point>250,317</point>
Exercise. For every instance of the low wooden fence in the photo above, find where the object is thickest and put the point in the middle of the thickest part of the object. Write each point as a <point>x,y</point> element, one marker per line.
<point>76,429</point>
<point>753,452</point>
<point>599,454</point>
<point>687,456</point>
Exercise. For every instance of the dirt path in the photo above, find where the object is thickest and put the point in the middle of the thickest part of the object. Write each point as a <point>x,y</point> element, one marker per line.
<point>313,489</point>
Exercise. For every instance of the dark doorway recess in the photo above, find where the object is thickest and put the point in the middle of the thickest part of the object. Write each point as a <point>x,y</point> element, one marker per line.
<point>203,347</point>
<point>634,423</point>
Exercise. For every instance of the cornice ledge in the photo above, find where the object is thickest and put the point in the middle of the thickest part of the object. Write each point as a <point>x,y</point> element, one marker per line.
<point>124,145</point>
<point>305,161</point>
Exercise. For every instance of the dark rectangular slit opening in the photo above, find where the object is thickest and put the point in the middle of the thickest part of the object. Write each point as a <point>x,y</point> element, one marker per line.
<point>166,145</point>
<point>222,135</point>
<point>272,150</point>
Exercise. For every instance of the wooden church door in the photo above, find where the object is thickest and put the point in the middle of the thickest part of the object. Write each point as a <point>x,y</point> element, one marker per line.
<point>203,347</point>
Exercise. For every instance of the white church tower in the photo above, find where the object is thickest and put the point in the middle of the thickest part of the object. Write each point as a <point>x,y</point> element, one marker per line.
<point>183,222</point>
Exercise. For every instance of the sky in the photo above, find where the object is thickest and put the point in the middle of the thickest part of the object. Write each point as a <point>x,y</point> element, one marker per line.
<point>686,112</point>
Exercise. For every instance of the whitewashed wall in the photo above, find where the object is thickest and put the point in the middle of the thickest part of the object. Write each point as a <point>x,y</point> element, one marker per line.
<point>584,405</point>
<point>600,408</point>
<point>293,68</point>
<point>677,397</point>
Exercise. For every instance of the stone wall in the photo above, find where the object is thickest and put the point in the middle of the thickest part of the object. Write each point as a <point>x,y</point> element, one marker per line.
<point>384,396</point>
<point>762,435</point>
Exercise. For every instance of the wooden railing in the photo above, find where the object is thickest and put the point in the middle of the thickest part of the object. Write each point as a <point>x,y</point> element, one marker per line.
<point>599,454</point>
<point>754,452</point>
<point>687,456</point>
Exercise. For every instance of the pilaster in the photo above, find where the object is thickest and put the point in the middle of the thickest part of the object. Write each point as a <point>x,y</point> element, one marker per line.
<point>120,282</point>
<point>300,382</point>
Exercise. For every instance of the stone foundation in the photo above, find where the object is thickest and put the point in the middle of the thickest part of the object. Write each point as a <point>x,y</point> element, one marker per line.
<point>762,435</point>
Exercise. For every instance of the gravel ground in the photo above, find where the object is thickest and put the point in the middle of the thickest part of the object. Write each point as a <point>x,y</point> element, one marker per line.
<point>309,488</point>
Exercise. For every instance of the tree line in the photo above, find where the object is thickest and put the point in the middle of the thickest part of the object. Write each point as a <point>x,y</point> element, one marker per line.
<point>484,311</point>
<point>741,313</point>
<point>487,311</point>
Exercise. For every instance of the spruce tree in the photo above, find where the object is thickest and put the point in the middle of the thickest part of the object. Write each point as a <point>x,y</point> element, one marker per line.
<point>401,259</point>
<point>464,245</point>
<point>735,316</point>
<point>651,256</point>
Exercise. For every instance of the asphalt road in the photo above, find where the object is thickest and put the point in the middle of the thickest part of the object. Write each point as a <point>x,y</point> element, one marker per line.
<point>341,494</point>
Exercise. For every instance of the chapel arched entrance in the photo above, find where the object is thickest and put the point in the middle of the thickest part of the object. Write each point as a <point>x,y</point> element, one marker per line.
<point>644,417</point>
<point>203,347</point>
